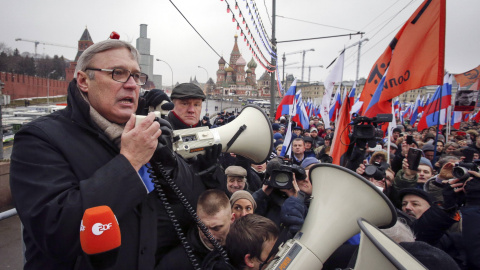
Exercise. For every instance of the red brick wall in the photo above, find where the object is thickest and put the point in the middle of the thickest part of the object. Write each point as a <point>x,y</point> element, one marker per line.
<point>23,86</point>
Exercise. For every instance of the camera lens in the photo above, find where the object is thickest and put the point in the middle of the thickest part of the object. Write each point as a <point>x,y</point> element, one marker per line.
<point>370,170</point>
<point>460,173</point>
<point>281,179</point>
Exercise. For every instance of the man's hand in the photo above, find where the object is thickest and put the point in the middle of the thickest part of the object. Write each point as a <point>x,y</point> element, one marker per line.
<point>361,168</point>
<point>139,143</point>
<point>446,172</point>
<point>293,192</point>
<point>407,173</point>
<point>405,148</point>
<point>210,157</point>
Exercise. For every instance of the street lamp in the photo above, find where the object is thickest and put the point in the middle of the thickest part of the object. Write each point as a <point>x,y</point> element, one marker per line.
<point>206,84</point>
<point>48,87</point>
<point>169,67</point>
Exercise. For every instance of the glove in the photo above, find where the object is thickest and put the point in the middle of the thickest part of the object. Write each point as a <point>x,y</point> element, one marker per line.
<point>472,191</point>
<point>449,198</point>
<point>293,214</point>
<point>155,97</point>
<point>209,160</point>
<point>164,153</point>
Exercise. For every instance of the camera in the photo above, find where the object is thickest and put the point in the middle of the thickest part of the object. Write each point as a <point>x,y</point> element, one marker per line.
<point>377,170</point>
<point>365,133</point>
<point>366,128</point>
<point>280,174</point>
<point>460,170</point>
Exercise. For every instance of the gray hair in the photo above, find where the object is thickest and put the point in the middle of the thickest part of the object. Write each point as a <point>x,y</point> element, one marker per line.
<point>86,58</point>
<point>400,232</point>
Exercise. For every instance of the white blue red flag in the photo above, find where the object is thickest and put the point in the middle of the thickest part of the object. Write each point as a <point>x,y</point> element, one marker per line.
<point>285,106</point>
<point>435,112</point>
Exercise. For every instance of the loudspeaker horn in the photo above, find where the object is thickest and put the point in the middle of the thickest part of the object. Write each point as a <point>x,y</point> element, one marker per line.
<point>378,251</point>
<point>249,134</point>
<point>340,197</point>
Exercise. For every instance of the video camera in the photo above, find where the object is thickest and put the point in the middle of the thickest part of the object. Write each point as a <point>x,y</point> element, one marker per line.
<point>280,174</point>
<point>377,170</point>
<point>366,128</point>
<point>461,169</point>
<point>365,132</point>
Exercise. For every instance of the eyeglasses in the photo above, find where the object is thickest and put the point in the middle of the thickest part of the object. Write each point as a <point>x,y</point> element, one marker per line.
<point>122,75</point>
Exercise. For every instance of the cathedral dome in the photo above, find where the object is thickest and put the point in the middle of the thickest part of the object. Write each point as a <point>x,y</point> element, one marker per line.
<point>229,69</point>
<point>241,61</point>
<point>252,64</point>
<point>249,71</point>
<point>221,61</point>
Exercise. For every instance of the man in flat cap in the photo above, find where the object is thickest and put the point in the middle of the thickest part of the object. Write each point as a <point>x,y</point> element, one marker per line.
<point>187,98</point>
<point>236,178</point>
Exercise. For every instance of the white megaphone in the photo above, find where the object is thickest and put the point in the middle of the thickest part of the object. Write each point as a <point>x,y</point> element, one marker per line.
<point>378,251</point>
<point>340,197</point>
<point>249,135</point>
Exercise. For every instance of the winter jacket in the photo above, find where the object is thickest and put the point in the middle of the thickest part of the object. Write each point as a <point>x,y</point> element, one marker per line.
<point>63,164</point>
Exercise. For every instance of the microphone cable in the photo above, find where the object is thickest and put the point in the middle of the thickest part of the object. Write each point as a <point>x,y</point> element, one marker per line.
<point>156,168</point>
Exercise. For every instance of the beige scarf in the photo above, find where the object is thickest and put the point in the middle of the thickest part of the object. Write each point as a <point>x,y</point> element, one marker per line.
<point>112,130</point>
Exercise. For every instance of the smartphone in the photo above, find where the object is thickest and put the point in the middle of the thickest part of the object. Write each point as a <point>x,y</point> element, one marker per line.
<point>413,158</point>
<point>409,139</point>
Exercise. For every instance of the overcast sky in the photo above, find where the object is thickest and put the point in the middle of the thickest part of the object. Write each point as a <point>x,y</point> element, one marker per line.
<point>174,40</point>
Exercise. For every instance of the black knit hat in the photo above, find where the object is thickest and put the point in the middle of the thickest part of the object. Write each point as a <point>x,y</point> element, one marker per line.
<point>415,191</point>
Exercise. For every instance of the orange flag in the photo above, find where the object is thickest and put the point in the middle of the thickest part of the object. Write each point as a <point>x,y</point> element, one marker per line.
<point>341,141</point>
<point>468,78</point>
<point>414,58</point>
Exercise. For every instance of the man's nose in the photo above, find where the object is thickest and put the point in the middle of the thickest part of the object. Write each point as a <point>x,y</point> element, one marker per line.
<point>130,83</point>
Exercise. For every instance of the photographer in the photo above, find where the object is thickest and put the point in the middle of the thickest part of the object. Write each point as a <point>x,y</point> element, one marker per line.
<point>279,199</point>
<point>378,172</point>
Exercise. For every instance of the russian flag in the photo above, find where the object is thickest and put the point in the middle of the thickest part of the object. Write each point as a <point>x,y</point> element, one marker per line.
<point>476,118</point>
<point>335,107</point>
<point>434,114</point>
<point>285,106</point>
<point>396,108</point>
<point>456,119</point>
<point>414,114</point>
<point>301,116</point>
<point>351,96</point>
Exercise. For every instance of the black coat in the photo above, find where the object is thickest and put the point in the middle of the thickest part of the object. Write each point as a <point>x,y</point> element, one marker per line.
<point>61,165</point>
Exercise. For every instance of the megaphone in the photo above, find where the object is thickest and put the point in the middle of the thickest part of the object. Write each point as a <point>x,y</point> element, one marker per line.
<point>378,251</point>
<point>340,197</point>
<point>249,135</point>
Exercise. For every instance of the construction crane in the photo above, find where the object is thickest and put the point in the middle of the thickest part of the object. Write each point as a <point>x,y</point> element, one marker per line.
<point>309,70</point>
<point>36,42</point>
<point>284,65</point>
<point>303,57</point>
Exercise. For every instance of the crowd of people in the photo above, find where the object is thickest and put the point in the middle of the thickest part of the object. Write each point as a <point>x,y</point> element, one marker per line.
<point>215,210</point>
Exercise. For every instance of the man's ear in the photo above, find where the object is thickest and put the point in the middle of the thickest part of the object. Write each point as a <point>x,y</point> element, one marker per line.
<point>83,81</point>
<point>233,218</point>
<point>249,261</point>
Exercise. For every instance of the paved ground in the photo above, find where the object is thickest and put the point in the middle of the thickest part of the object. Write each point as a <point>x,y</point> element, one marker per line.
<point>11,256</point>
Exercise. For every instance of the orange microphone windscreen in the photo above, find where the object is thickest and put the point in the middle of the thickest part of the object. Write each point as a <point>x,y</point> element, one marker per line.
<point>99,230</point>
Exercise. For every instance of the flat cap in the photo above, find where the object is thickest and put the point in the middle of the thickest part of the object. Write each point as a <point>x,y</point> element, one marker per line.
<point>186,91</point>
<point>236,171</point>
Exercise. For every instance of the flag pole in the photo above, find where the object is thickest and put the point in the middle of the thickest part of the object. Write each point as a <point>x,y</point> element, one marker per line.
<point>438,123</point>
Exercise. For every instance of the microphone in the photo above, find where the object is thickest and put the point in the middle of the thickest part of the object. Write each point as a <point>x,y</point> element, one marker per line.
<point>100,236</point>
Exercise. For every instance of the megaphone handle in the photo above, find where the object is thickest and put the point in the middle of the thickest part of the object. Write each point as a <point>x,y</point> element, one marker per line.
<point>282,238</point>
<point>234,138</point>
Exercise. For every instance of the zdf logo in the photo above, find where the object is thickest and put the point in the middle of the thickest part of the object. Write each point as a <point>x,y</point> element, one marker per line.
<point>99,228</point>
